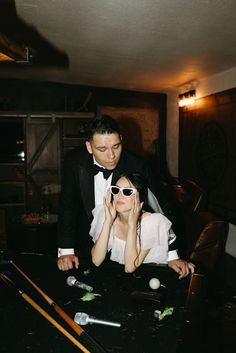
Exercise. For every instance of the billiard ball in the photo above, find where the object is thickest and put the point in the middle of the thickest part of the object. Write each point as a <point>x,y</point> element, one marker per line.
<point>154,283</point>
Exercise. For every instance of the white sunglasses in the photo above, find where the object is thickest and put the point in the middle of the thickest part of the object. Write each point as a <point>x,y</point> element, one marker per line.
<point>125,191</point>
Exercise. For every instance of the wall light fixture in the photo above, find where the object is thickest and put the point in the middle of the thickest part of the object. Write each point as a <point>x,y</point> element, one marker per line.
<point>187,98</point>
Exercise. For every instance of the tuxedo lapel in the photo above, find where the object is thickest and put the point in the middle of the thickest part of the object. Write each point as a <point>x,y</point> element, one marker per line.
<point>86,178</point>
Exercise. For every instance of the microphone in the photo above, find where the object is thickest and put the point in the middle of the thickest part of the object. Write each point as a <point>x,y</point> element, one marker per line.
<point>73,282</point>
<point>84,319</point>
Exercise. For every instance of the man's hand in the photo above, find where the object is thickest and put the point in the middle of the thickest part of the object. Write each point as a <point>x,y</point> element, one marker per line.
<point>182,267</point>
<point>67,262</point>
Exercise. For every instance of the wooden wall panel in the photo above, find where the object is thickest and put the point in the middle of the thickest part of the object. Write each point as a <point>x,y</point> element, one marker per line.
<point>208,150</point>
<point>43,156</point>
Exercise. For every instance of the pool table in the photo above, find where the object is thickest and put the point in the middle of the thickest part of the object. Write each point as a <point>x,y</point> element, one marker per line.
<point>117,296</point>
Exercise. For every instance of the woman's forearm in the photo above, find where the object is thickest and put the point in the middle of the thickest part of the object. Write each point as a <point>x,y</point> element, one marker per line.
<point>131,251</point>
<point>100,247</point>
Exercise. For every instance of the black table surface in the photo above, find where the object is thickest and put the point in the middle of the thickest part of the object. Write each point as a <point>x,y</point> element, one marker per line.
<point>24,329</point>
<point>35,237</point>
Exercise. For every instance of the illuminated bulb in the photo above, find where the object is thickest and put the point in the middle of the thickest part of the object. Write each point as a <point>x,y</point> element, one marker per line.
<point>186,101</point>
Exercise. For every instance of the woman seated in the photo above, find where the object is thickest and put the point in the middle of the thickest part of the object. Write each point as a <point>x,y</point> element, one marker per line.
<point>126,226</point>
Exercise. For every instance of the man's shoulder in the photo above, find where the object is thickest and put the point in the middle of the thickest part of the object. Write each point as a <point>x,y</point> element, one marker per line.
<point>131,162</point>
<point>133,159</point>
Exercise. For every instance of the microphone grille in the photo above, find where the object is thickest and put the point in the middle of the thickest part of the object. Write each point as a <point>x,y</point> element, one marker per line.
<point>81,318</point>
<point>70,280</point>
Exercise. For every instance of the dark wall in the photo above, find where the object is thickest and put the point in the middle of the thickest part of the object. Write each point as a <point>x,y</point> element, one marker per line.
<point>20,95</point>
<point>207,150</point>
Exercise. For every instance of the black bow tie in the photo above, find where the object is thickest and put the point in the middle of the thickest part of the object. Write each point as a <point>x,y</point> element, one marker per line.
<point>106,172</point>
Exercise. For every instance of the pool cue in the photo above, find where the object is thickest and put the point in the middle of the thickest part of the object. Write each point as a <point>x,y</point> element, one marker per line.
<point>29,300</point>
<point>77,328</point>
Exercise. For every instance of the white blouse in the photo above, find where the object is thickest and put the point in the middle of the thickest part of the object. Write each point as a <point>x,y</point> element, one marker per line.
<point>154,235</point>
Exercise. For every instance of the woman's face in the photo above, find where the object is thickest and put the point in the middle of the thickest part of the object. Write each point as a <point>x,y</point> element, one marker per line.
<point>124,203</point>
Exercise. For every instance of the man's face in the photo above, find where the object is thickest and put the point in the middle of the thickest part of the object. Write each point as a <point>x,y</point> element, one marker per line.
<point>106,149</point>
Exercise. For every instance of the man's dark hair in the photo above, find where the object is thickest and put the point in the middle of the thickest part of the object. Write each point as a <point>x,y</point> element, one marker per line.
<point>103,124</point>
<point>140,183</point>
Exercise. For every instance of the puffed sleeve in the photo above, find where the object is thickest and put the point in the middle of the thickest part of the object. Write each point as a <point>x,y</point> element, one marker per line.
<point>97,222</point>
<point>154,234</point>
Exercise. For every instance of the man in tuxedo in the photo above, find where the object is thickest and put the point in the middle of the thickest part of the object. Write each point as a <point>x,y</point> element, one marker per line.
<point>88,171</point>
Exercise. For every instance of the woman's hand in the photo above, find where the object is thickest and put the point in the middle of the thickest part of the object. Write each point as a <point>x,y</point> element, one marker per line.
<point>135,211</point>
<point>100,248</point>
<point>110,211</point>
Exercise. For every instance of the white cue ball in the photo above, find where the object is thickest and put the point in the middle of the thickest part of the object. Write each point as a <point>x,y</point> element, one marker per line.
<point>154,283</point>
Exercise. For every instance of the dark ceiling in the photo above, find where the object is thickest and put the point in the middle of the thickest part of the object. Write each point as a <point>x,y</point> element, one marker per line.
<point>143,45</point>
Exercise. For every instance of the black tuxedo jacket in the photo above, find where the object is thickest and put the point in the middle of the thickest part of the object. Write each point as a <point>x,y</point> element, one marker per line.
<point>77,198</point>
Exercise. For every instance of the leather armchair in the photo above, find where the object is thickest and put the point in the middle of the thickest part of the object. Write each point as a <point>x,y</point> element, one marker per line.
<point>201,234</point>
<point>206,237</point>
